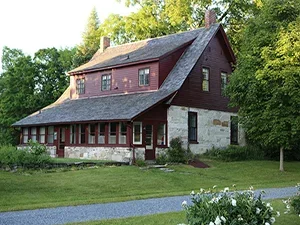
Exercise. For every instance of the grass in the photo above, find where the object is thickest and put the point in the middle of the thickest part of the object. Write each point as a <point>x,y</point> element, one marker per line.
<point>179,217</point>
<point>31,190</point>
<point>71,160</point>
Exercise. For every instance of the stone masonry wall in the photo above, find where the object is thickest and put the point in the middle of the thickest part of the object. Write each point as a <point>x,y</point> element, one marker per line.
<point>213,128</point>
<point>51,150</point>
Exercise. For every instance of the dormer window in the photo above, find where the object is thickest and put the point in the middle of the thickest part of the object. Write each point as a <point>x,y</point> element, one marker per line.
<point>106,82</point>
<point>144,77</point>
<point>80,88</point>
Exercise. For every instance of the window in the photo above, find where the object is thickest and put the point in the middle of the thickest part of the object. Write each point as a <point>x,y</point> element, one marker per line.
<point>137,133</point>
<point>33,134</point>
<point>82,134</point>
<point>223,82</point>
<point>50,136</point>
<point>80,89</point>
<point>161,134</point>
<point>144,77</point>
<point>123,133</point>
<point>234,130</point>
<point>42,136</point>
<point>25,135</point>
<point>106,82</point>
<point>101,133</point>
<point>112,133</point>
<point>72,134</point>
<point>92,130</point>
<point>205,81</point>
<point>192,126</point>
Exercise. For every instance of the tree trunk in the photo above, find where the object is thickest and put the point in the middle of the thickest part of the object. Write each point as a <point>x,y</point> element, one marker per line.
<point>281,159</point>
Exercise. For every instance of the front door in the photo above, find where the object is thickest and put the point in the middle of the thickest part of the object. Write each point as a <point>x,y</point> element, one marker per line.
<point>61,142</point>
<point>150,150</point>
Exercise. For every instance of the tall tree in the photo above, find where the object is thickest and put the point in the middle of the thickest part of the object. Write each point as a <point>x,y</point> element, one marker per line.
<point>265,84</point>
<point>90,40</point>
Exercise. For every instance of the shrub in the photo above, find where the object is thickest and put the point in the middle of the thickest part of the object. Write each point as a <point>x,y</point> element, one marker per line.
<point>161,159</point>
<point>176,153</point>
<point>140,163</point>
<point>236,153</point>
<point>234,208</point>
<point>296,201</point>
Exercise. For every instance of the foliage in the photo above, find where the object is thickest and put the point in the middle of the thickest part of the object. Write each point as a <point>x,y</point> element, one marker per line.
<point>161,159</point>
<point>34,156</point>
<point>213,208</point>
<point>236,153</point>
<point>176,153</point>
<point>266,82</point>
<point>140,163</point>
<point>296,201</point>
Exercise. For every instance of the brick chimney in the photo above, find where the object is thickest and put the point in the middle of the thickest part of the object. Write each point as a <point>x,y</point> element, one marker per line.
<point>104,43</point>
<point>210,18</point>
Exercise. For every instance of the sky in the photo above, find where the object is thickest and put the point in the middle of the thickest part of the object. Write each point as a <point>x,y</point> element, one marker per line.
<point>31,25</point>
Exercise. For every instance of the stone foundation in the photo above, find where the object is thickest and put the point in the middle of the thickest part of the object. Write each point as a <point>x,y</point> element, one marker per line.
<point>51,150</point>
<point>213,128</point>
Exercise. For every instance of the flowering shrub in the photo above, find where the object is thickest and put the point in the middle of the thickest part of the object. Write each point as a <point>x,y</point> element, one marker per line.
<point>296,201</point>
<point>230,208</point>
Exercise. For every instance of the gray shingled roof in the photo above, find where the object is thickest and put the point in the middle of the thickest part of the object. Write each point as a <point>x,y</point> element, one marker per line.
<point>126,106</point>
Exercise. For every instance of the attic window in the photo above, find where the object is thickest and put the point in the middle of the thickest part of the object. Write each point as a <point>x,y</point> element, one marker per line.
<point>144,77</point>
<point>106,82</point>
<point>205,79</point>
<point>80,87</point>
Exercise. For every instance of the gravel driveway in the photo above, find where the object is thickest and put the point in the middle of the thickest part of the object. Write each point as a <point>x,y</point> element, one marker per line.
<point>62,215</point>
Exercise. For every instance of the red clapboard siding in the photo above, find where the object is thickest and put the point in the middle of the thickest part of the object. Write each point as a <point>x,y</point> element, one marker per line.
<point>123,80</point>
<point>216,58</point>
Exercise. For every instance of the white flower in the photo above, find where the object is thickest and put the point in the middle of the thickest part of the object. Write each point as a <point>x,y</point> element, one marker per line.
<point>266,223</point>
<point>201,190</point>
<point>277,213</point>
<point>233,202</point>
<point>272,220</point>
<point>192,193</point>
<point>258,210</point>
<point>215,186</point>
<point>268,204</point>
<point>223,218</point>
<point>271,208</point>
<point>184,204</point>
<point>211,223</point>
<point>240,219</point>
<point>218,221</point>
<point>288,206</point>
<point>226,189</point>
<point>251,188</point>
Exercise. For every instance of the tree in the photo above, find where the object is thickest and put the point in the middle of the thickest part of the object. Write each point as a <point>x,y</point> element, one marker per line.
<point>265,84</point>
<point>90,40</point>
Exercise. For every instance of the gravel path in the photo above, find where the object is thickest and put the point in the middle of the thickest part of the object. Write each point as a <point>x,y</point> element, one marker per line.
<point>62,215</point>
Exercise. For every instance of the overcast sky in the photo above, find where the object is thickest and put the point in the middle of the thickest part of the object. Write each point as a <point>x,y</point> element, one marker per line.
<point>30,25</point>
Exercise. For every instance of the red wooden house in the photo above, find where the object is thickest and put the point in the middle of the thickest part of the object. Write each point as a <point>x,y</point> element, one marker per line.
<point>131,100</point>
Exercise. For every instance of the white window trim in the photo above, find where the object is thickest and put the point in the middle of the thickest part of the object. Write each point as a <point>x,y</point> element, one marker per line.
<point>140,142</point>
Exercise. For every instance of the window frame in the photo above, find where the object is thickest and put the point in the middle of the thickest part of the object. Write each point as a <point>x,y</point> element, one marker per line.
<point>146,77</point>
<point>163,141</point>
<point>234,124</point>
<point>205,79</point>
<point>121,133</point>
<point>80,86</point>
<point>195,128</point>
<point>73,134</point>
<point>112,134</point>
<point>107,86</point>
<point>50,135</point>
<point>140,133</point>
<point>33,134</point>
<point>101,133</point>
<point>82,134</point>
<point>224,84</point>
<point>91,135</point>
<point>42,135</point>
<point>25,134</point>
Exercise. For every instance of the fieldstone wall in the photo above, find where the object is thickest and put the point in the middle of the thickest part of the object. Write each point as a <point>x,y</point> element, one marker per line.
<point>213,128</point>
<point>51,150</point>
<point>119,154</point>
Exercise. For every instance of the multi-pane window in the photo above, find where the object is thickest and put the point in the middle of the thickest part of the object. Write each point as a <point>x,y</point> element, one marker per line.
<point>73,134</point>
<point>112,133</point>
<point>33,134</point>
<point>25,135</point>
<point>234,130</point>
<point>80,87</point>
<point>50,136</point>
<point>137,133</point>
<point>92,133</point>
<point>42,136</point>
<point>122,133</point>
<point>101,133</point>
<point>82,134</point>
<point>223,82</point>
<point>205,79</point>
<point>144,77</point>
<point>192,126</point>
<point>106,82</point>
<point>161,134</point>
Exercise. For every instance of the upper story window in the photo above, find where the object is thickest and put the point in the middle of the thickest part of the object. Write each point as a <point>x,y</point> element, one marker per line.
<point>106,82</point>
<point>205,79</point>
<point>223,82</point>
<point>144,77</point>
<point>80,88</point>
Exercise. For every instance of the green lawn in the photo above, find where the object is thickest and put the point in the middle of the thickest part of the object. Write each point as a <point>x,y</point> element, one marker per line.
<point>71,160</point>
<point>179,217</point>
<point>107,184</point>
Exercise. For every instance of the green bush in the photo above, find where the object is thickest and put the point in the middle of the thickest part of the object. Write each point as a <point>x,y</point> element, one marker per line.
<point>140,163</point>
<point>296,201</point>
<point>176,153</point>
<point>236,153</point>
<point>232,208</point>
<point>161,159</point>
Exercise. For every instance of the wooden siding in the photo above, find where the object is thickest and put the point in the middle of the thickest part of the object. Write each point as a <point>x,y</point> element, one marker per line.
<point>167,63</point>
<point>123,80</point>
<point>216,59</point>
